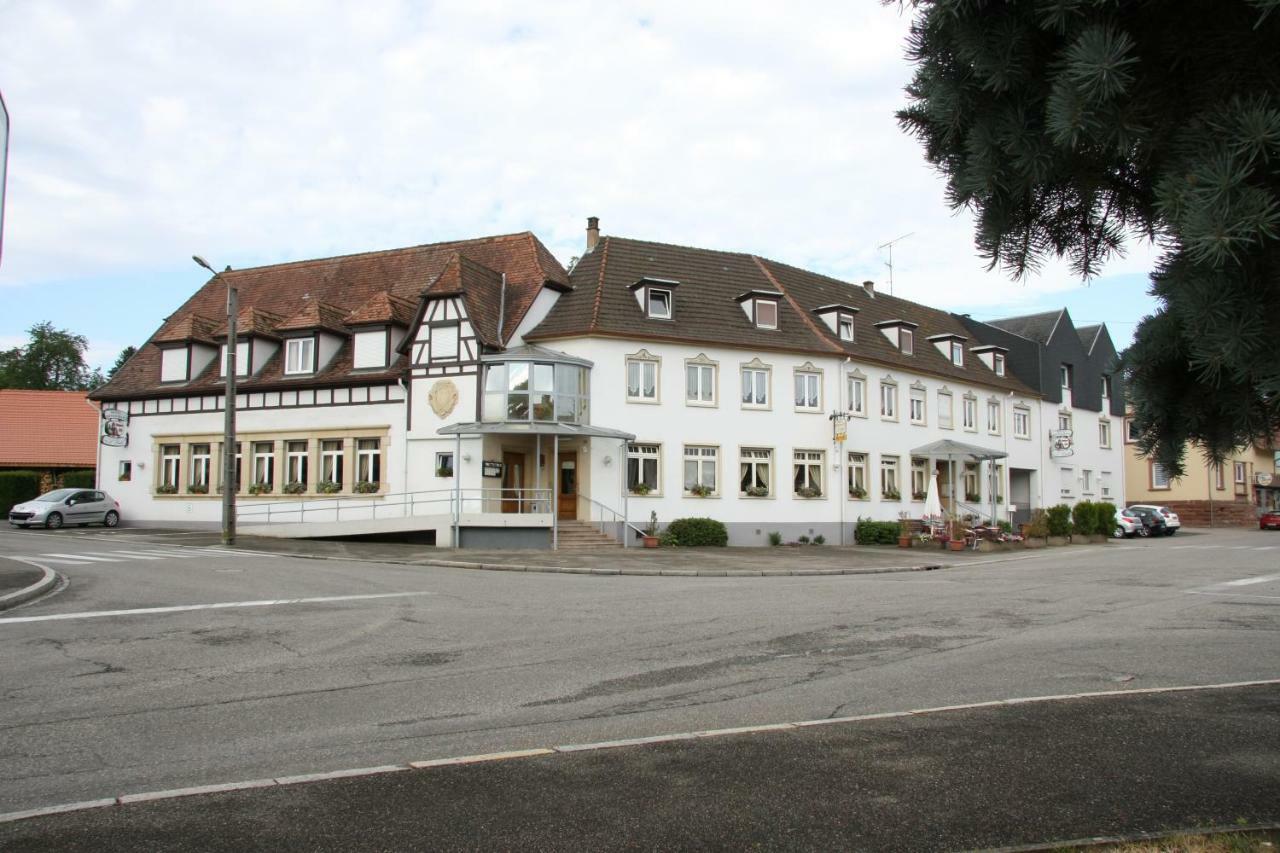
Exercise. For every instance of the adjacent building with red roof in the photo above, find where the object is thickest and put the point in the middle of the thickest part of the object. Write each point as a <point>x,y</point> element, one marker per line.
<point>47,430</point>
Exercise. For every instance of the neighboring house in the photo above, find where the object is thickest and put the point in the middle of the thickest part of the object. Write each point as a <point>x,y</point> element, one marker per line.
<point>1229,495</point>
<point>510,396</point>
<point>49,432</point>
<point>1080,411</point>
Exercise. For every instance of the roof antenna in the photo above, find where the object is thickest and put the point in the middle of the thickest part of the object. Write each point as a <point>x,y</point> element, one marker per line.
<point>889,245</point>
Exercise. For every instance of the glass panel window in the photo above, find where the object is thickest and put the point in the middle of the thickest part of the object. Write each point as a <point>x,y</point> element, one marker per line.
<point>200,457</point>
<point>807,471</point>
<point>808,392</point>
<point>170,466</point>
<point>1064,421</point>
<point>295,463</point>
<point>997,361</point>
<point>237,469</point>
<point>444,342</point>
<point>972,486</point>
<point>495,392</point>
<point>889,489</point>
<point>995,417</point>
<point>659,303</point>
<point>300,355</point>
<point>969,413</point>
<point>700,469</point>
<point>1106,387</point>
<point>957,353</point>
<point>642,380</point>
<point>945,412</point>
<point>444,465</point>
<point>1159,476</point>
<point>906,341</point>
<point>331,459</point>
<point>844,327</point>
<point>917,406</point>
<point>1064,374</point>
<point>766,314</point>
<point>857,396</point>
<point>1086,481</point>
<point>642,468</point>
<point>755,388</point>
<point>126,471</point>
<point>368,461</point>
<point>1239,471</point>
<point>858,476</point>
<point>1219,478</point>
<point>700,384</point>
<point>888,401</point>
<point>919,478</point>
<point>1104,433</point>
<point>1022,423</point>
<point>264,461</point>
<point>754,468</point>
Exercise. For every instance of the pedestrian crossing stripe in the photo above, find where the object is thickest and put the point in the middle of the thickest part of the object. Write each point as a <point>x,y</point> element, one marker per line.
<point>150,554</point>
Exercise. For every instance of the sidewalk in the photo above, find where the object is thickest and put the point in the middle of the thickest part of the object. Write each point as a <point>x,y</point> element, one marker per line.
<point>703,562</point>
<point>14,577</point>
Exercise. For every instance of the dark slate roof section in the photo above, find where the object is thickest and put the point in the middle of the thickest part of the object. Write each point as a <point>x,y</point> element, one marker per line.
<point>1034,327</point>
<point>1023,355</point>
<point>1088,336</point>
<point>705,310</point>
<point>347,284</point>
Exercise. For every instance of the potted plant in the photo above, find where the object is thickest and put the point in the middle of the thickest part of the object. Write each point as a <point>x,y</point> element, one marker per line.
<point>641,489</point>
<point>328,487</point>
<point>260,489</point>
<point>858,493</point>
<point>892,495</point>
<point>442,471</point>
<point>198,488</point>
<point>918,496</point>
<point>955,540</point>
<point>757,491</point>
<point>904,530</point>
<point>294,488</point>
<point>699,490</point>
<point>972,497</point>
<point>650,537</point>
<point>809,492</point>
<point>365,487</point>
<point>166,489</point>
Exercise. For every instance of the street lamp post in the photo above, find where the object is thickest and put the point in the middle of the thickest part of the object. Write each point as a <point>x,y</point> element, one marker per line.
<point>229,424</point>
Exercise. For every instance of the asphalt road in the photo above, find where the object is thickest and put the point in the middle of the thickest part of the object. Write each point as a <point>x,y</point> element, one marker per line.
<point>451,662</point>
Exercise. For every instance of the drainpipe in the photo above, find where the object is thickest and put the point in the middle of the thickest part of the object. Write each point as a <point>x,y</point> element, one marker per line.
<point>457,490</point>
<point>841,494</point>
<point>622,477</point>
<point>97,465</point>
<point>502,306</point>
<point>555,503</point>
<point>537,465</point>
<point>405,480</point>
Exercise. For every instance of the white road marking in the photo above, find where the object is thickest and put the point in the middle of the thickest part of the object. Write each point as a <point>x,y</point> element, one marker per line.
<point>92,559</point>
<point>437,764</point>
<point>55,561</point>
<point>176,555</point>
<point>136,556</point>
<point>181,608</point>
<point>1251,581</point>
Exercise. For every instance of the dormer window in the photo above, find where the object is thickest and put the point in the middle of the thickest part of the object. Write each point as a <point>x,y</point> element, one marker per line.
<point>992,356</point>
<point>658,302</point>
<point>951,346</point>
<point>761,307</point>
<point>300,356</point>
<point>998,364</point>
<point>957,353</point>
<point>907,341</point>
<point>839,319</point>
<point>655,296</point>
<point>1064,372</point>
<point>844,326</point>
<point>766,311</point>
<point>900,333</point>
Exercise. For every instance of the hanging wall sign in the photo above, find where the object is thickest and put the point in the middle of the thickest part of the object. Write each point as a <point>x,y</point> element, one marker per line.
<point>1060,443</point>
<point>115,428</point>
<point>490,468</point>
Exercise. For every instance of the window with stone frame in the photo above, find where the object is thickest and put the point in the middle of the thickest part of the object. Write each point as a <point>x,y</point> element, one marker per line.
<point>643,468</point>
<point>858,477</point>
<point>807,466</point>
<point>755,470</point>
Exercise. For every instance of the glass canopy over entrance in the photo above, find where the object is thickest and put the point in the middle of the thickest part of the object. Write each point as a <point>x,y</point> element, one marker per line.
<point>533,384</point>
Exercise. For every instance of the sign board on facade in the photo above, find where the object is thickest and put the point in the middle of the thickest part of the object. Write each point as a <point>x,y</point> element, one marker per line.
<point>1060,443</point>
<point>1263,478</point>
<point>115,428</point>
<point>491,468</point>
<point>839,427</point>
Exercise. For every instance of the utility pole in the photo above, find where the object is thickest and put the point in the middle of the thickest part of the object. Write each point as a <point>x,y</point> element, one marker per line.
<point>229,423</point>
<point>889,246</point>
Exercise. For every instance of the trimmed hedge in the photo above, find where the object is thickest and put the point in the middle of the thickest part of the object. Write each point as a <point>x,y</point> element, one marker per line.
<point>16,487</point>
<point>868,532</point>
<point>78,480</point>
<point>1059,518</point>
<point>1105,518</point>
<point>1084,519</point>
<point>696,532</point>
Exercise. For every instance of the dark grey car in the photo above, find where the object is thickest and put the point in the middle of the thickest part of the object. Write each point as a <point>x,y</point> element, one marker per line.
<point>67,506</point>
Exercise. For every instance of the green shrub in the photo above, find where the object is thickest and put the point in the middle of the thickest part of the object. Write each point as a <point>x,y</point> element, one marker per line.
<point>868,532</point>
<point>1084,518</point>
<point>698,531</point>
<point>819,540</point>
<point>78,480</point>
<point>17,487</point>
<point>803,539</point>
<point>1038,527</point>
<point>775,538</point>
<point>1059,520</point>
<point>1104,518</point>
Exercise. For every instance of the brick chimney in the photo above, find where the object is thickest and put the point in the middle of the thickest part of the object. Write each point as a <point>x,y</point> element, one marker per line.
<point>870,288</point>
<point>593,232</point>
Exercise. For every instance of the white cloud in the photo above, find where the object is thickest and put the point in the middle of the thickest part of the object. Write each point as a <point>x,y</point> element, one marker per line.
<point>262,131</point>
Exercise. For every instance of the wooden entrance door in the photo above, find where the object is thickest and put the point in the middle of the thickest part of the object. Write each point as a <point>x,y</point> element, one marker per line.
<point>568,486</point>
<point>512,481</point>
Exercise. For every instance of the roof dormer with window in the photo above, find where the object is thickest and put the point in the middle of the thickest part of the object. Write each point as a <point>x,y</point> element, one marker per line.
<point>994,357</point>
<point>656,297</point>
<point>951,346</point>
<point>900,333</point>
<point>839,319</point>
<point>761,307</point>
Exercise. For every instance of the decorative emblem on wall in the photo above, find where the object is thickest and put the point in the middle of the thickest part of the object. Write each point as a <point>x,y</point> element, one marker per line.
<point>443,397</point>
<point>115,428</point>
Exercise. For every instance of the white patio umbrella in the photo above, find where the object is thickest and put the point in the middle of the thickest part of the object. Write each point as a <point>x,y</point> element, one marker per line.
<point>932,504</point>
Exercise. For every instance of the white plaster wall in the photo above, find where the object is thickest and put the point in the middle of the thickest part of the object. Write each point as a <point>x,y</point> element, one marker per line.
<point>1088,454</point>
<point>674,424</point>
<point>425,441</point>
<point>542,305</point>
<point>138,504</point>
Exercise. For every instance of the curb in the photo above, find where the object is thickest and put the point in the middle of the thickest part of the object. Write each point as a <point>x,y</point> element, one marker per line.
<point>672,573</point>
<point>47,582</point>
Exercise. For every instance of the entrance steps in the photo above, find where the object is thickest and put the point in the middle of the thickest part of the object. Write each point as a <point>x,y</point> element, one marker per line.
<point>577,535</point>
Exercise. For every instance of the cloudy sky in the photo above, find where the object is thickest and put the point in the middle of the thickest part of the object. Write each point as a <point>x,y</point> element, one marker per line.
<point>265,131</point>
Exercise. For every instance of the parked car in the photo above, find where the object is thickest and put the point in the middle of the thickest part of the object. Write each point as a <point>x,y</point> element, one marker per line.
<point>1171,522</point>
<point>67,506</point>
<point>1152,519</point>
<point>1128,526</point>
<point>1269,520</point>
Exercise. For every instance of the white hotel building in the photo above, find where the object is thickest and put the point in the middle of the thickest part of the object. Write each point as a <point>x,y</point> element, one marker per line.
<point>479,393</point>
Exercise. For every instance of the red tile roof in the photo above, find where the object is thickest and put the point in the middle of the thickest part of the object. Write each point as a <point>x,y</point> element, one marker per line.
<point>47,429</point>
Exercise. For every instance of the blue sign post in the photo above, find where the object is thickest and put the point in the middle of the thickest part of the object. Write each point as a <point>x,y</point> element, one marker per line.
<point>4,163</point>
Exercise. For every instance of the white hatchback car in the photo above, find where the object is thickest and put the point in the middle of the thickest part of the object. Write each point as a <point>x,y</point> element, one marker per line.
<point>1171,522</point>
<point>1128,525</point>
<point>67,506</point>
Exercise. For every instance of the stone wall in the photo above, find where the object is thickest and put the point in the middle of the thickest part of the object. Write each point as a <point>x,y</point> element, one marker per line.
<point>1225,513</point>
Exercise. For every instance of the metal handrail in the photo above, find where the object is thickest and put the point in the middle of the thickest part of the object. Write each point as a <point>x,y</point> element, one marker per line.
<point>537,500</point>
<point>617,516</point>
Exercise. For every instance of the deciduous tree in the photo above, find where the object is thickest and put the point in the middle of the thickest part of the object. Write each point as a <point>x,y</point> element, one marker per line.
<point>52,360</point>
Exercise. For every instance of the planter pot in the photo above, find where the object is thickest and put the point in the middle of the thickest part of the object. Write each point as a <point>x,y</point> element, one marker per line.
<point>1033,543</point>
<point>1058,540</point>
<point>650,541</point>
<point>956,544</point>
<point>986,546</point>
<point>904,541</point>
